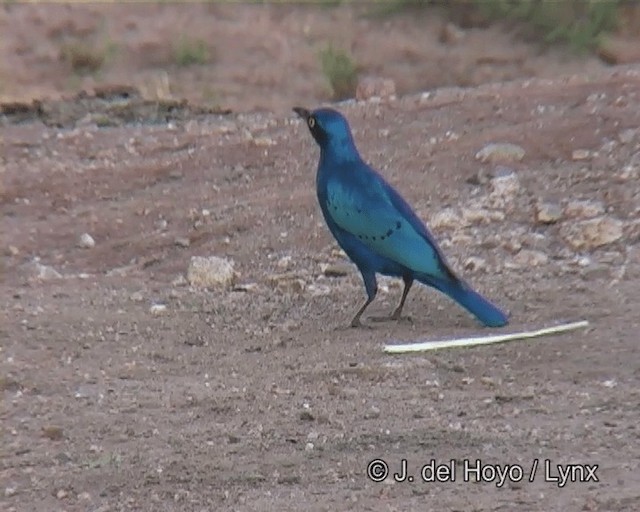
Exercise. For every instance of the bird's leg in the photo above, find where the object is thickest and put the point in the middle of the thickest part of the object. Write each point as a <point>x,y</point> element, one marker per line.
<point>356,319</point>
<point>397,314</point>
<point>371,285</point>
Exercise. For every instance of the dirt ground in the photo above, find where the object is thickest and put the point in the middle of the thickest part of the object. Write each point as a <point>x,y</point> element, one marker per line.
<point>261,57</point>
<point>257,396</point>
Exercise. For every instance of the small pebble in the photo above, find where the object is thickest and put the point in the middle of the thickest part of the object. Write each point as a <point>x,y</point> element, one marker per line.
<point>157,309</point>
<point>86,241</point>
<point>548,213</point>
<point>580,154</point>
<point>372,413</point>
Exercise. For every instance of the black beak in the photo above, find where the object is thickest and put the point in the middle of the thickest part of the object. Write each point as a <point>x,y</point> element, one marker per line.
<point>302,112</point>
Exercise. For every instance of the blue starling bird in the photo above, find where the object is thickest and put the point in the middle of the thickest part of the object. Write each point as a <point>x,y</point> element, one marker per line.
<point>376,227</point>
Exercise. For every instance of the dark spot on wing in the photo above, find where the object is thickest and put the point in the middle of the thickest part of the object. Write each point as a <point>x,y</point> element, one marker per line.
<point>390,232</point>
<point>398,225</point>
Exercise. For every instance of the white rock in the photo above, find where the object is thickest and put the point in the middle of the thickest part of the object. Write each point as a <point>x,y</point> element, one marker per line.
<point>210,272</point>
<point>580,154</point>
<point>86,241</point>
<point>43,272</point>
<point>503,152</point>
<point>157,309</point>
<point>503,189</point>
<point>481,215</point>
<point>445,219</point>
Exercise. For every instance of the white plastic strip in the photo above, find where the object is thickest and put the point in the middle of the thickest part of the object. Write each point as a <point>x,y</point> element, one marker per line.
<point>482,340</point>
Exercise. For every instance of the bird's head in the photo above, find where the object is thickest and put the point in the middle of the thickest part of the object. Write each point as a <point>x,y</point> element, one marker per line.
<point>330,130</point>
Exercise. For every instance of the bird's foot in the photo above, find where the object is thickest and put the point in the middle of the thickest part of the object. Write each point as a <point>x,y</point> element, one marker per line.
<point>357,324</point>
<point>392,318</point>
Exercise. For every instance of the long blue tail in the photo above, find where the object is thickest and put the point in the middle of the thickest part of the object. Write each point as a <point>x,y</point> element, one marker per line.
<point>485,311</point>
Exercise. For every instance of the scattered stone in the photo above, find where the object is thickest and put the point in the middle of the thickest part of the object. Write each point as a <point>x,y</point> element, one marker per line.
<point>535,241</point>
<point>84,496</point>
<point>501,152</point>
<point>43,272</point>
<point>513,245</point>
<point>592,233</point>
<point>584,261</point>
<point>12,250</point>
<point>319,290</point>
<point>338,253</point>
<point>136,297</point>
<point>157,309</point>
<point>289,282</point>
<point>161,224</point>
<point>182,241</point>
<point>372,413</point>
<point>62,494</point>
<point>179,281</point>
<point>86,241</point>
<point>445,219</point>
<point>530,258</point>
<point>548,213</point>
<point>503,188</point>
<point>481,215</point>
<point>210,272</point>
<point>375,87</point>
<point>285,262</point>
<point>309,447</point>
<point>451,33</point>
<point>584,209</point>
<point>52,432</point>
<point>475,264</point>
<point>263,142</point>
<point>580,154</point>
<point>10,491</point>
<point>245,287</point>
<point>337,270</point>
<point>306,415</point>
<point>627,136</point>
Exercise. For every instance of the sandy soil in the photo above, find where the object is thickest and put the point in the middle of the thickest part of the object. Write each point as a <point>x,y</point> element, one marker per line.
<point>258,397</point>
<point>259,57</point>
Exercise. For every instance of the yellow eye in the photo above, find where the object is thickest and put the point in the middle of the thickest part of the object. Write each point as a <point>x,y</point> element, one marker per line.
<point>311,122</point>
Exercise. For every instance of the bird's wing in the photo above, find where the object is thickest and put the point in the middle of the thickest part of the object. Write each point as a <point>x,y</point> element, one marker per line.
<point>365,205</point>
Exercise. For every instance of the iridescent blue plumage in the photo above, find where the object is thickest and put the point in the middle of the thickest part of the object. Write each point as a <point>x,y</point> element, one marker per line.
<point>376,227</point>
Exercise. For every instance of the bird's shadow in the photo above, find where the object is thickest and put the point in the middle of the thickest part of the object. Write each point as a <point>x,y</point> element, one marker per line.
<point>372,323</point>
